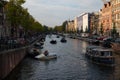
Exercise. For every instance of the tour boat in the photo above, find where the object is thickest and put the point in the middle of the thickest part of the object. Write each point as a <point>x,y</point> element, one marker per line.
<point>100,55</point>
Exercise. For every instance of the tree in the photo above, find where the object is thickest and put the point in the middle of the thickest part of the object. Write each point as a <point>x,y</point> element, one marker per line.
<point>114,31</point>
<point>58,29</point>
<point>19,16</point>
<point>13,12</point>
<point>48,29</point>
<point>86,29</point>
<point>101,29</point>
<point>61,28</point>
<point>1,4</point>
<point>81,30</point>
<point>64,26</point>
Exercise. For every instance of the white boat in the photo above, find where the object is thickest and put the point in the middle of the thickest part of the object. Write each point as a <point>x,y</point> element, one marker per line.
<point>44,58</point>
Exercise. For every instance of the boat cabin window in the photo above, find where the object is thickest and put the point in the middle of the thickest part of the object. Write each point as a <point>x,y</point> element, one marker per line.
<point>88,50</point>
<point>96,53</point>
<point>106,53</point>
<point>93,53</point>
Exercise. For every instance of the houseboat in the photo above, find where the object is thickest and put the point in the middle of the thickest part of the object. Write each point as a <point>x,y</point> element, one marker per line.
<point>89,49</point>
<point>100,55</point>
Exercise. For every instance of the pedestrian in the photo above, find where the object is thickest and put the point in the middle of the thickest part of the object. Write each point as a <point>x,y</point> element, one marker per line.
<point>46,53</point>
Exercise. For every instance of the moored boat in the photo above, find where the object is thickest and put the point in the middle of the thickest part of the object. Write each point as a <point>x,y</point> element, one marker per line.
<point>53,41</point>
<point>41,43</point>
<point>58,36</point>
<point>63,40</point>
<point>34,52</point>
<point>38,45</point>
<point>101,56</point>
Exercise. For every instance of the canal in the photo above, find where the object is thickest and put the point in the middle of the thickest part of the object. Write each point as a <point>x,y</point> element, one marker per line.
<point>71,64</point>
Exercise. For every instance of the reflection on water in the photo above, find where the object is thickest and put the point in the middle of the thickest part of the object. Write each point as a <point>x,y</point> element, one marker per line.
<point>71,64</point>
<point>84,45</point>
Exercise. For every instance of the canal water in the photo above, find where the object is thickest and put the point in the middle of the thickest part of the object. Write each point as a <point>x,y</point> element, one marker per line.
<point>71,64</point>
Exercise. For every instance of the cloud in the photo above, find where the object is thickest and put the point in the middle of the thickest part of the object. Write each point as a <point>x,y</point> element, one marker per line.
<point>54,12</point>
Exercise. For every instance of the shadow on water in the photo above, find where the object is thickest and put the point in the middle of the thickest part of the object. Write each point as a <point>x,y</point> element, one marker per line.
<point>16,73</point>
<point>46,63</point>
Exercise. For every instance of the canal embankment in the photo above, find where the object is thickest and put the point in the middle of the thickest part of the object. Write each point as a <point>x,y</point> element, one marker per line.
<point>9,59</point>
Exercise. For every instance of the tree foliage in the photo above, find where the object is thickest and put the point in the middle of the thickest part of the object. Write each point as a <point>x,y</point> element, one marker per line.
<point>61,28</point>
<point>114,31</point>
<point>101,29</point>
<point>81,31</point>
<point>1,3</point>
<point>86,29</point>
<point>64,26</point>
<point>19,16</point>
<point>58,28</point>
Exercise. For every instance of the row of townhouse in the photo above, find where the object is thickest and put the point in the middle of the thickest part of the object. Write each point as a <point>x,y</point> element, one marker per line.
<point>115,4</point>
<point>86,22</point>
<point>107,17</point>
<point>110,17</point>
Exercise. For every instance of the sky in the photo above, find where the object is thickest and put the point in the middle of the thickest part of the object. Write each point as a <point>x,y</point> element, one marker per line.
<point>55,12</point>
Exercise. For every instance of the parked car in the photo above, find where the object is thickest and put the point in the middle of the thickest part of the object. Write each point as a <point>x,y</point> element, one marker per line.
<point>109,39</point>
<point>101,38</point>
